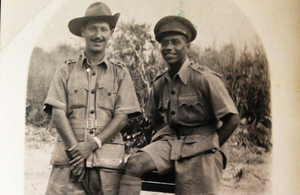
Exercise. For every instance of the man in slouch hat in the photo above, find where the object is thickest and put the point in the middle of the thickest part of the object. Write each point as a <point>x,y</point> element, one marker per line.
<point>194,114</point>
<point>90,100</point>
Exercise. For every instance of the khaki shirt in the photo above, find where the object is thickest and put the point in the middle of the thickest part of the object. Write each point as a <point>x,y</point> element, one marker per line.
<point>95,94</point>
<point>195,96</point>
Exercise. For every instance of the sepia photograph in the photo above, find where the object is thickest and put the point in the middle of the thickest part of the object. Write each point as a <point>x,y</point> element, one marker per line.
<point>150,97</point>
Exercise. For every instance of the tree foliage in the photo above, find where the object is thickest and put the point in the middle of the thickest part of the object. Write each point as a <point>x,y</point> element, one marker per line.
<point>134,45</point>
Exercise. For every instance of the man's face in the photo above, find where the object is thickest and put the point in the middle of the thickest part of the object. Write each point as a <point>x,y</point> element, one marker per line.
<point>174,48</point>
<point>96,35</point>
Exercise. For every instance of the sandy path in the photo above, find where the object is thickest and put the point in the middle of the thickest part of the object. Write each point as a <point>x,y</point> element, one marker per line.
<point>37,171</point>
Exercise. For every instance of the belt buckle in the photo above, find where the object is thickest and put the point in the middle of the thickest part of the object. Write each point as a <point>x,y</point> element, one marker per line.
<point>90,123</point>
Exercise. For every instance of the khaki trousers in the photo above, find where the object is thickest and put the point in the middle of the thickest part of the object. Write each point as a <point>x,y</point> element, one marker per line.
<point>100,181</point>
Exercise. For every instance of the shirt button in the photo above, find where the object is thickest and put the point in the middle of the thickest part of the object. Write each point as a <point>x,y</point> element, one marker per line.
<point>109,94</point>
<point>93,91</point>
<point>93,73</point>
<point>173,112</point>
<point>172,92</point>
<point>92,111</point>
<point>75,91</point>
<point>91,131</point>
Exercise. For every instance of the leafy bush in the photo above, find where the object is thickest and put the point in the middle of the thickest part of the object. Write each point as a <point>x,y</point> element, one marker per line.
<point>140,53</point>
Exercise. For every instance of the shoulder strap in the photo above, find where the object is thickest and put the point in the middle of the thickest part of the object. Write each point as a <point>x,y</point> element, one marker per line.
<point>203,69</point>
<point>70,66</point>
<point>117,62</point>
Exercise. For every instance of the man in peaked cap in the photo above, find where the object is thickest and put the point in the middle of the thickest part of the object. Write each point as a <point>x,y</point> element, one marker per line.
<point>90,100</point>
<point>193,113</point>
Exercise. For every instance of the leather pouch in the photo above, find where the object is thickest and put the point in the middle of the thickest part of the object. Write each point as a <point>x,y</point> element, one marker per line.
<point>111,154</point>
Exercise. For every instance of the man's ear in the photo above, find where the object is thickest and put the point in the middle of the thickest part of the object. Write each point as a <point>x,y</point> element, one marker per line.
<point>188,48</point>
<point>188,45</point>
<point>112,32</point>
<point>82,31</point>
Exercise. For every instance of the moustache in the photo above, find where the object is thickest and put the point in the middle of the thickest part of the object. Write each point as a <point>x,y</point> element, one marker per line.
<point>97,40</point>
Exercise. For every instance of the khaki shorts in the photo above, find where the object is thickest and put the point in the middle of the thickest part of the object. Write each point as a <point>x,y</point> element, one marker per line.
<point>62,181</point>
<point>200,174</point>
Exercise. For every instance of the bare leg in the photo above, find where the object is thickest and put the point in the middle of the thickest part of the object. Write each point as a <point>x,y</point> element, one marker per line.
<point>136,166</point>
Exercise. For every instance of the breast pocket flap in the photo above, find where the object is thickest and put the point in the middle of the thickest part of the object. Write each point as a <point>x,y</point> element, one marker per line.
<point>191,100</point>
<point>106,94</point>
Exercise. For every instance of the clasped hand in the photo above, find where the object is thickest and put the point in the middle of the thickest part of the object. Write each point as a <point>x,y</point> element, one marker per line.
<point>80,153</point>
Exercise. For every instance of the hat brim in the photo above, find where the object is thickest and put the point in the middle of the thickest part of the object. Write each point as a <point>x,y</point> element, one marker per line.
<point>159,36</point>
<point>76,24</point>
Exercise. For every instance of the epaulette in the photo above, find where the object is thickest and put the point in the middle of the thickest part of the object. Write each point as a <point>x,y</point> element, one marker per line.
<point>68,62</point>
<point>203,69</point>
<point>160,75</point>
<point>116,62</point>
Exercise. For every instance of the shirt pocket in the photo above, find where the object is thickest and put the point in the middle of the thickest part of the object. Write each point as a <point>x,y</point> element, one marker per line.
<point>192,108</point>
<point>106,97</point>
<point>77,94</point>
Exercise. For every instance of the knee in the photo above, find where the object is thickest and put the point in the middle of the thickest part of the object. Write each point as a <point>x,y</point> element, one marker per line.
<point>136,165</point>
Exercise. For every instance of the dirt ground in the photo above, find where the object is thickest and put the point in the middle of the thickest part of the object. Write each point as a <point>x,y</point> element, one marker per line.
<point>37,171</point>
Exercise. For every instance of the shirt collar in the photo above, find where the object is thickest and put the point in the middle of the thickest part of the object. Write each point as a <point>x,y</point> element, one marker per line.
<point>83,60</point>
<point>182,73</point>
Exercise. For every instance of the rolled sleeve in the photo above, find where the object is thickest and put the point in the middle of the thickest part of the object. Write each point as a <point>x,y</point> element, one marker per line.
<point>151,109</point>
<point>126,99</point>
<point>57,92</point>
<point>218,96</point>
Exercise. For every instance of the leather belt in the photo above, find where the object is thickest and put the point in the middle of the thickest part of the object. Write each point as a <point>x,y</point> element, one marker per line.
<point>83,128</point>
<point>205,130</point>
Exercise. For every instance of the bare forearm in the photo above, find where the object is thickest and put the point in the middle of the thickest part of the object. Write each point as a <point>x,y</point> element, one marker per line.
<point>230,123</point>
<point>63,127</point>
<point>113,128</point>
